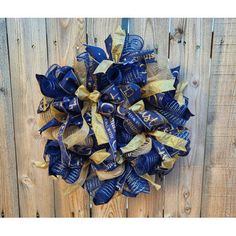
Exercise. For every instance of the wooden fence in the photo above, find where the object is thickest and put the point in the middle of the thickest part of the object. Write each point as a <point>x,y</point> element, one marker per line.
<point>203,184</point>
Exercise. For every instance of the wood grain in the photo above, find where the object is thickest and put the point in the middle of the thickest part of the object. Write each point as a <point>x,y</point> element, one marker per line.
<point>155,33</point>
<point>28,56</point>
<point>201,184</point>
<point>219,194</point>
<point>98,29</point>
<point>8,175</point>
<point>190,47</point>
<point>65,39</point>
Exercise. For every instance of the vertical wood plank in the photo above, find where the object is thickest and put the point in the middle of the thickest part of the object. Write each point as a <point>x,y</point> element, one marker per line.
<point>155,33</point>
<point>65,39</point>
<point>219,194</point>
<point>28,56</point>
<point>8,175</point>
<point>190,47</point>
<point>98,29</point>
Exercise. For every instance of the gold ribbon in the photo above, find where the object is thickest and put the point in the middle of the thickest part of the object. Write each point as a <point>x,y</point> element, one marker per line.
<point>158,86</point>
<point>118,40</point>
<point>83,94</point>
<point>169,140</point>
<point>97,122</point>
<point>143,149</point>
<point>41,164</point>
<point>104,175</point>
<point>44,103</point>
<point>137,107</point>
<point>60,116</point>
<point>179,97</point>
<point>46,116</point>
<point>99,156</point>
<point>98,126</point>
<point>169,162</point>
<point>103,66</point>
<point>151,181</point>
<point>135,143</point>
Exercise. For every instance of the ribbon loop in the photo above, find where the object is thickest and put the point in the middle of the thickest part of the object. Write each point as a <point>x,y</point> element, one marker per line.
<point>114,121</point>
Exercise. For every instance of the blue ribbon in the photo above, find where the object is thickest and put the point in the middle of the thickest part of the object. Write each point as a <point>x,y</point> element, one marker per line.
<point>120,87</point>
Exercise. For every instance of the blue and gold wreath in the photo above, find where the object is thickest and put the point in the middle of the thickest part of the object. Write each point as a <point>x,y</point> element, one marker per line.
<point>114,120</point>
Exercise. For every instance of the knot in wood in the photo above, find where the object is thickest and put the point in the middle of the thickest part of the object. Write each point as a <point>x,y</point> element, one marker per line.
<point>3,90</point>
<point>195,83</point>
<point>25,180</point>
<point>187,210</point>
<point>186,194</point>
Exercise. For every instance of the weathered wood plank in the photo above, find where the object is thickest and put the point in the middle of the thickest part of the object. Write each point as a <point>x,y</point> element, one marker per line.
<point>28,56</point>
<point>219,194</point>
<point>190,46</point>
<point>8,175</point>
<point>65,39</point>
<point>181,192</point>
<point>98,29</point>
<point>155,33</point>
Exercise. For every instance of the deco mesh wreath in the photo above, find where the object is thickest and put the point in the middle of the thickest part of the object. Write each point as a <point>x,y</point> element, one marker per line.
<point>113,121</point>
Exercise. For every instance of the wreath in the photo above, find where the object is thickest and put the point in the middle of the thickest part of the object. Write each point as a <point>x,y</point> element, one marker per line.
<point>114,120</point>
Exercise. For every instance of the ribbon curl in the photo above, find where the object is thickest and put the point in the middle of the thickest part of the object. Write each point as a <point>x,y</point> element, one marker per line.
<point>113,121</point>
